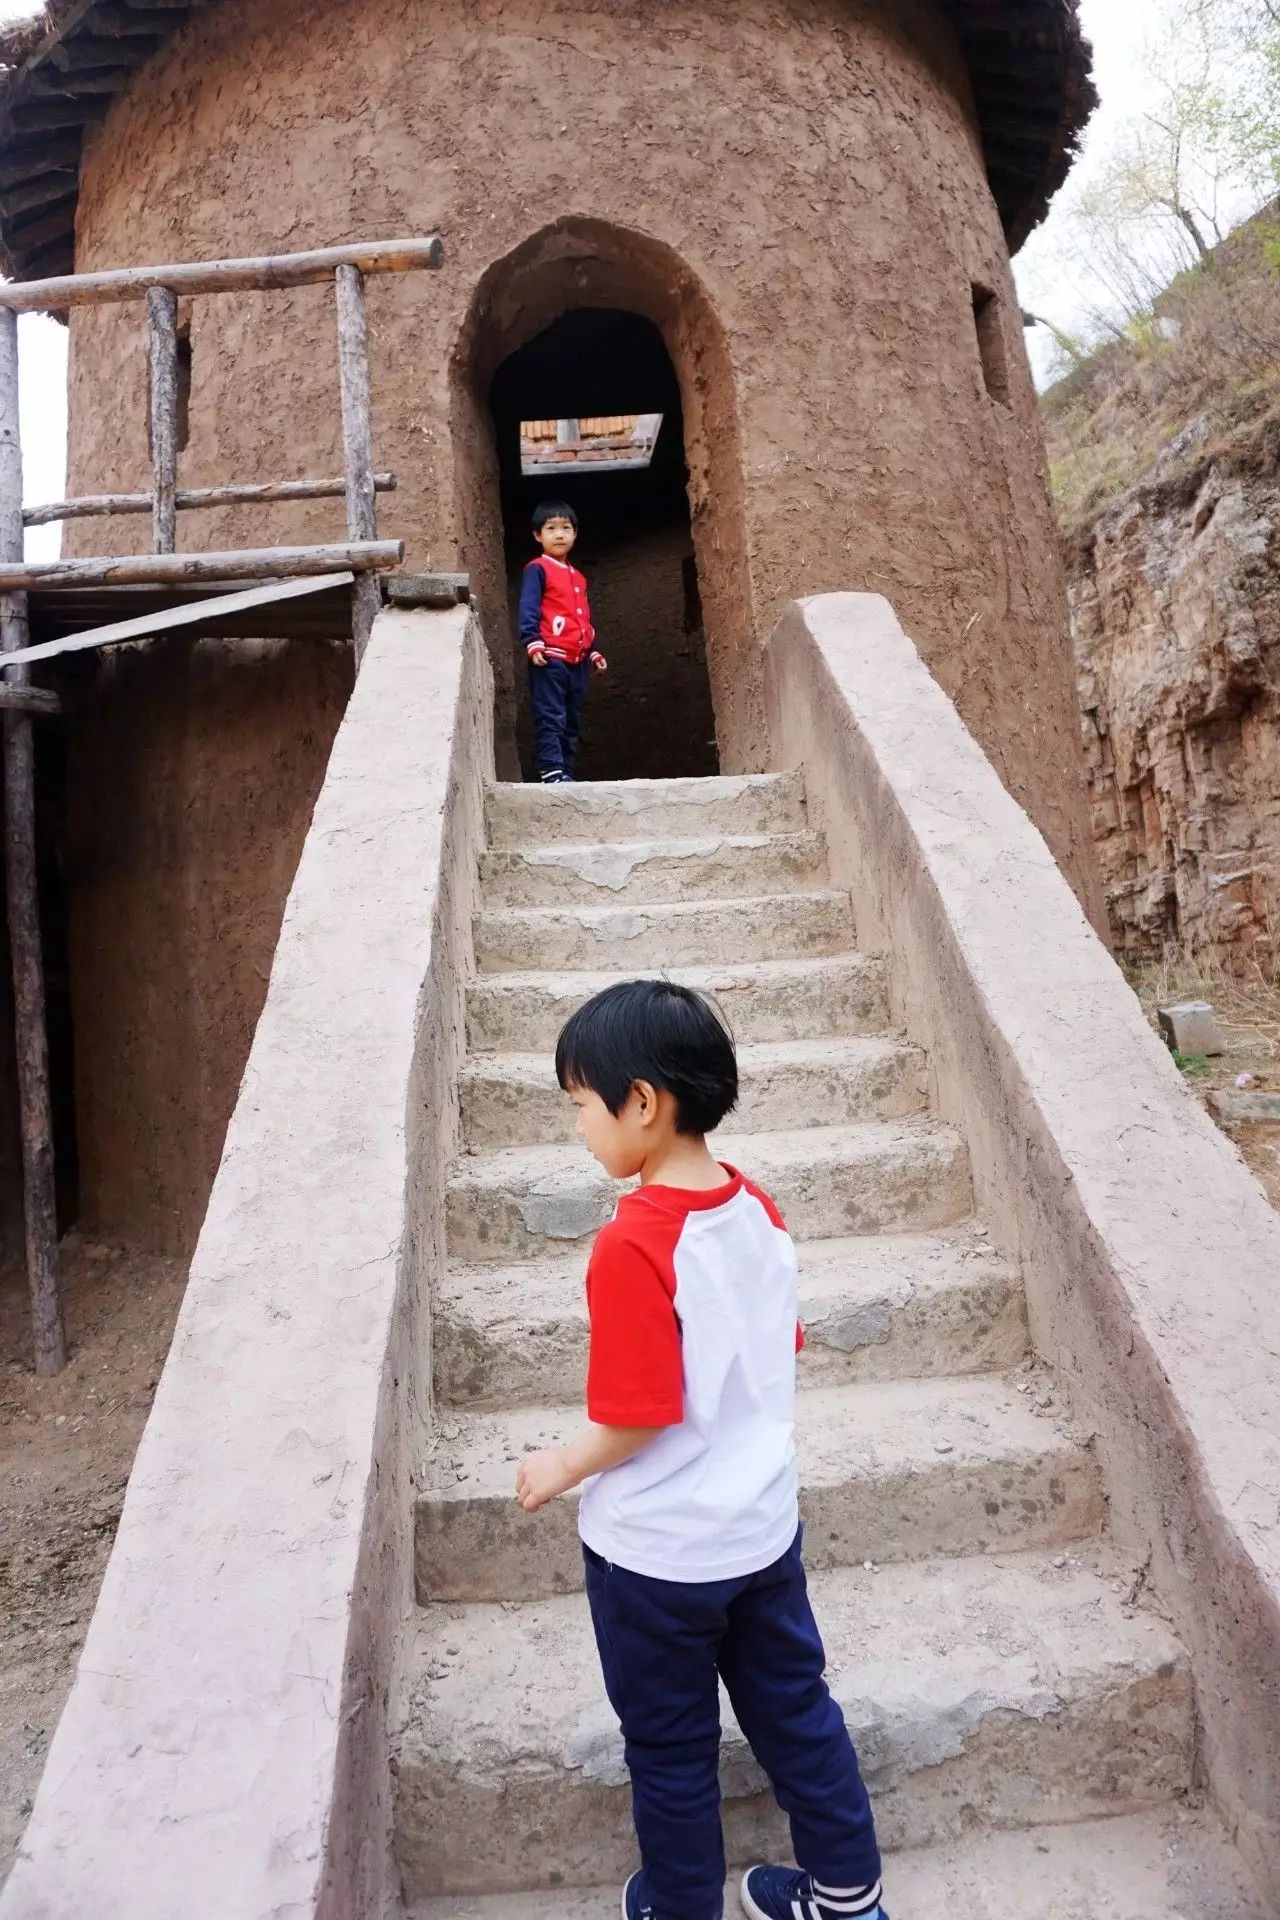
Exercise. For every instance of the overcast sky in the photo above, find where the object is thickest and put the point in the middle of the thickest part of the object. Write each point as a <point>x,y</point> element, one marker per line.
<point>1116,27</point>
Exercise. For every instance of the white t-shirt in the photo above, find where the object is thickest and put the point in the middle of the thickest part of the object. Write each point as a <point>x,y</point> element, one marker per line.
<point>692,1298</point>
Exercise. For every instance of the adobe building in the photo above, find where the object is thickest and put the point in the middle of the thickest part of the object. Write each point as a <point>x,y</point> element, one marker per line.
<point>786,228</point>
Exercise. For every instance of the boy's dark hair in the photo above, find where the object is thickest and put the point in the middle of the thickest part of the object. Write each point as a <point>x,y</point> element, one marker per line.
<point>553,510</point>
<point>657,1031</point>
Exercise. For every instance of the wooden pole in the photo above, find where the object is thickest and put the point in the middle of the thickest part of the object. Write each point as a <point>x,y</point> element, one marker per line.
<point>357,442</point>
<point>162,342</point>
<point>186,569</point>
<point>30,1042</point>
<point>252,493</point>
<point>220,276</point>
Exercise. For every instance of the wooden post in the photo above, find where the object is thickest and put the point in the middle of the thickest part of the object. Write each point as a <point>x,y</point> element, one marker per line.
<point>162,342</point>
<point>30,1042</point>
<point>357,442</point>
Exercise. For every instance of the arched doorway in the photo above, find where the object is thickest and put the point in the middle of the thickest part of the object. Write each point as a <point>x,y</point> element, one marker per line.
<point>651,715</point>
<point>586,317</point>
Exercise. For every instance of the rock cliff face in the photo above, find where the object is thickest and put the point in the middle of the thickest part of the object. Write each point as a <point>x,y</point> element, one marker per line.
<point>1175,598</point>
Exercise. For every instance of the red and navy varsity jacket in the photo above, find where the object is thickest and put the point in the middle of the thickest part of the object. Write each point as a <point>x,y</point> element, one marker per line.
<point>554,612</point>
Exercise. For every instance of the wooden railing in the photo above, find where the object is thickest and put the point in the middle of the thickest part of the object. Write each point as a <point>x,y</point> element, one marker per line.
<point>358,559</point>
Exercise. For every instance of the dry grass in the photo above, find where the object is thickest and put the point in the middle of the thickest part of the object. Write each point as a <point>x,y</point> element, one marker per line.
<point>1248,1010</point>
<point>1196,383</point>
<point>1248,1013</point>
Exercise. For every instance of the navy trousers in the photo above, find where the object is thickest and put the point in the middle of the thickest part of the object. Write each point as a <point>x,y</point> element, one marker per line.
<point>558,691</point>
<point>662,1646</point>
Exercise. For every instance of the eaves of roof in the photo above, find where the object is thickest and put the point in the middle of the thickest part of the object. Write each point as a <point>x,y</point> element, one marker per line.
<point>1029,65</point>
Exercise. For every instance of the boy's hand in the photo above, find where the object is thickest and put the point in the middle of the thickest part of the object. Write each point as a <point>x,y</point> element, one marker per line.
<point>542,1476</point>
<point>537,657</point>
<point>599,662</point>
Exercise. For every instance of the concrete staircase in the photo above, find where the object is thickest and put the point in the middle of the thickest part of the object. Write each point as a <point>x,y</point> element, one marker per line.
<point>1025,1721</point>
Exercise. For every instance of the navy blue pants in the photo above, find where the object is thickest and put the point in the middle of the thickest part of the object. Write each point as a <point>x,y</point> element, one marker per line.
<point>662,1645</point>
<point>558,691</point>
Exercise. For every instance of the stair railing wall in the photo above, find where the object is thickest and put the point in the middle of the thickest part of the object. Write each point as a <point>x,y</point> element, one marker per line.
<point>1149,1252</point>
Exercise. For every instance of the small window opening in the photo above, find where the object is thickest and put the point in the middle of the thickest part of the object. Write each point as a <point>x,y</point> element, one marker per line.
<point>991,350</point>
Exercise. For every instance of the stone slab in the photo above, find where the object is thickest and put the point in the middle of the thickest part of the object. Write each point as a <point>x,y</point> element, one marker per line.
<point>897,1470</point>
<point>508,1099</point>
<point>882,1177</point>
<point>1173,1863</point>
<point>645,809</point>
<point>1004,1691</point>
<point>789,926</point>
<point>762,1000</point>
<point>640,872</point>
<point>1242,1109</point>
<point>882,1307</point>
<point>1191,1027</point>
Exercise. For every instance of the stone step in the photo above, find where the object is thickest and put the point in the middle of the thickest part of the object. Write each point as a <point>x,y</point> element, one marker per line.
<point>896,1470</point>
<point>638,872</point>
<point>645,809</point>
<point>788,926</point>
<point>762,1001</point>
<point>1170,1863</point>
<point>885,1176</point>
<point>511,1098</point>
<point>876,1308</point>
<point>989,1693</point>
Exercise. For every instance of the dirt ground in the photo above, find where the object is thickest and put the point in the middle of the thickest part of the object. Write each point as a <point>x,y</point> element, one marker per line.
<point>66,1448</point>
<point>1249,1015</point>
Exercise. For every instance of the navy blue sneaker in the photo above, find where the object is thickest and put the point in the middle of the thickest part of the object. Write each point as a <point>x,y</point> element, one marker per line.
<point>635,1903</point>
<point>784,1893</point>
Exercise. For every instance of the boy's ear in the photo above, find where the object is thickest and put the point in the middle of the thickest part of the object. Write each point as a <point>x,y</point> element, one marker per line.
<point>645,1096</point>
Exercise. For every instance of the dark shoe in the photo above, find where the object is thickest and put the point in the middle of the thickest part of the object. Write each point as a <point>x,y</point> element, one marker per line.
<point>784,1893</point>
<point>635,1902</point>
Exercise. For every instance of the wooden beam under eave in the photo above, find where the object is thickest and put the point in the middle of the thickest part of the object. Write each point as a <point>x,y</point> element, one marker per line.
<point>122,23</point>
<point>92,50</point>
<point>58,223</point>
<point>33,194</point>
<point>37,701</point>
<point>49,80</point>
<point>53,261</point>
<point>35,157</point>
<point>54,112</point>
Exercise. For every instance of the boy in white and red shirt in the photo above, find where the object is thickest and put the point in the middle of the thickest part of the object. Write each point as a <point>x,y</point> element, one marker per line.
<point>557,635</point>
<point>689,1516</point>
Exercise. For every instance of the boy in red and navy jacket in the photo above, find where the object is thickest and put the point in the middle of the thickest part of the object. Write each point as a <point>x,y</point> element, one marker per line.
<point>557,635</point>
<point>689,1516</point>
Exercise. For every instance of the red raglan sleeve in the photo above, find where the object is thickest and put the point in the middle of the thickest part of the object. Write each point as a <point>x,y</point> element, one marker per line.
<point>635,1368</point>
